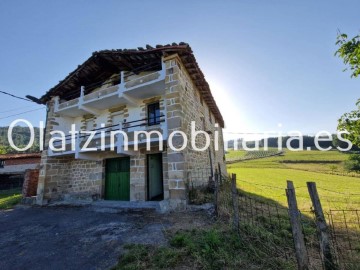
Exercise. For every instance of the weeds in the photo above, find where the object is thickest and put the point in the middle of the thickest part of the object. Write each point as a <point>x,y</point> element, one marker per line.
<point>216,248</point>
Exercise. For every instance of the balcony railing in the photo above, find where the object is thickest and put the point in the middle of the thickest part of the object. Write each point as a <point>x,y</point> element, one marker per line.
<point>157,120</point>
<point>128,88</point>
<point>101,138</point>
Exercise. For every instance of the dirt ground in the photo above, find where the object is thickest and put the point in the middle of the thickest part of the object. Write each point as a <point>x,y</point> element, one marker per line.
<point>79,238</point>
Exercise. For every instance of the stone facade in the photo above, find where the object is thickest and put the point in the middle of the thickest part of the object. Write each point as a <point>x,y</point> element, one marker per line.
<point>63,177</point>
<point>184,106</point>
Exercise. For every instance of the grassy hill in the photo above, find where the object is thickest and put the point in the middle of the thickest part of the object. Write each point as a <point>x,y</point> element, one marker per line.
<point>267,177</point>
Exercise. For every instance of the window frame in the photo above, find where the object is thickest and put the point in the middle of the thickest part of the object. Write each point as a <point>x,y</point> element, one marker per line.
<point>155,120</point>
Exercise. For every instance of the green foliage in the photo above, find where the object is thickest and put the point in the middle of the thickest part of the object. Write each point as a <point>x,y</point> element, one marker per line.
<point>349,51</point>
<point>218,247</point>
<point>21,137</point>
<point>143,257</point>
<point>353,164</point>
<point>351,122</point>
<point>2,150</point>
<point>333,168</point>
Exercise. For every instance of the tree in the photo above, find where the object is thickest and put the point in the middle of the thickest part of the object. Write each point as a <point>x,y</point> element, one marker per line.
<point>351,122</point>
<point>2,150</point>
<point>349,51</point>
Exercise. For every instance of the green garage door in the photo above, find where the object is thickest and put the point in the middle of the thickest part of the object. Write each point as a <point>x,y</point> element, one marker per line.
<point>117,179</point>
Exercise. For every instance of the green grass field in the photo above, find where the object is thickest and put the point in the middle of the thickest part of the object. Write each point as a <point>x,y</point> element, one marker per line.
<point>266,177</point>
<point>9,198</point>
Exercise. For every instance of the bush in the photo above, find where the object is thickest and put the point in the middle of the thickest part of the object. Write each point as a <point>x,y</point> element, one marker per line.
<point>353,163</point>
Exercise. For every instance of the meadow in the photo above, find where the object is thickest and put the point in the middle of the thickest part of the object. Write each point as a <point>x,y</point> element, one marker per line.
<point>266,177</point>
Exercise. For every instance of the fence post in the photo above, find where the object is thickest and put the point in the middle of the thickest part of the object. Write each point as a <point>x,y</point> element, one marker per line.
<point>299,243</point>
<point>322,227</point>
<point>220,175</point>
<point>216,193</point>
<point>235,200</point>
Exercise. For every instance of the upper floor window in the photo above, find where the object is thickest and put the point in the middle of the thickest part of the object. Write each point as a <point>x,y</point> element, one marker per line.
<point>2,163</point>
<point>154,114</point>
<point>117,120</point>
<point>89,124</point>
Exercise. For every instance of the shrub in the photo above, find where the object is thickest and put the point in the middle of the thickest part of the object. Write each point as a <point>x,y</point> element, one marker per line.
<point>353,163</point>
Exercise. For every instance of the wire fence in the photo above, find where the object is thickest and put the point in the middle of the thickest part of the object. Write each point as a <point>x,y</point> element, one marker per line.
<point>345,236</point>
<point>325,239</point>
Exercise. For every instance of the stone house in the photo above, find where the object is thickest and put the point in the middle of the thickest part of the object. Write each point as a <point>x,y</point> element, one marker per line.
<point>159,89</point>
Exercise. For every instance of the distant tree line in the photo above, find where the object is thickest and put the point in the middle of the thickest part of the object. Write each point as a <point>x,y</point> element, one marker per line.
<point>21,137</point>
<point>308,142</point>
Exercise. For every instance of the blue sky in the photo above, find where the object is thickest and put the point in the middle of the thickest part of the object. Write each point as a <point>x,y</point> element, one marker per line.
<point>267,62</point>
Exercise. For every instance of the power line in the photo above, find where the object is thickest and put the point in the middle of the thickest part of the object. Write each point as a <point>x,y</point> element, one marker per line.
<point>22,113</point>
<point>15,96</point>
<point>16,109</point>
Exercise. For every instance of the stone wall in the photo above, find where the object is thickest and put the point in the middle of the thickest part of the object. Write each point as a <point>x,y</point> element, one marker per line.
<point>66,177</point>
<point>174,115</point>
<point>138,175</point>
<point>185,104</point>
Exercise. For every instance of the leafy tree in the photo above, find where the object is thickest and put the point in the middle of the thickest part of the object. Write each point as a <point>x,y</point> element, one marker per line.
<point>2,150</point>
<point>349,51</point>
<point>351,122</point>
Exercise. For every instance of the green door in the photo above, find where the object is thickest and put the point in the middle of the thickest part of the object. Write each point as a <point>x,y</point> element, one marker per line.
<point>117,179</point>
<point>155,177</point>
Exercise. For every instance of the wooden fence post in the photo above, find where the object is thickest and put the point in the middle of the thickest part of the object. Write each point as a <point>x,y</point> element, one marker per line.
<point>220,175</point>
<point>299,243</point>
<point>235,199</point>
<point>217,186</point>
<point>322,227</point>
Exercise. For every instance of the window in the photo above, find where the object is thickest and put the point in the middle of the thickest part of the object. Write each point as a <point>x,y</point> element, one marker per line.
<point>116,120</point>
<point>154,114</point>
<point>2,163</point>
<point>89,124</point>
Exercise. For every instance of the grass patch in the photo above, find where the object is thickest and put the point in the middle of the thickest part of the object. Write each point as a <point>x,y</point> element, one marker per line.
<point>334,190</point>
<point>336,187</point>
<point>9,198</point>
<point>216,248</point>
